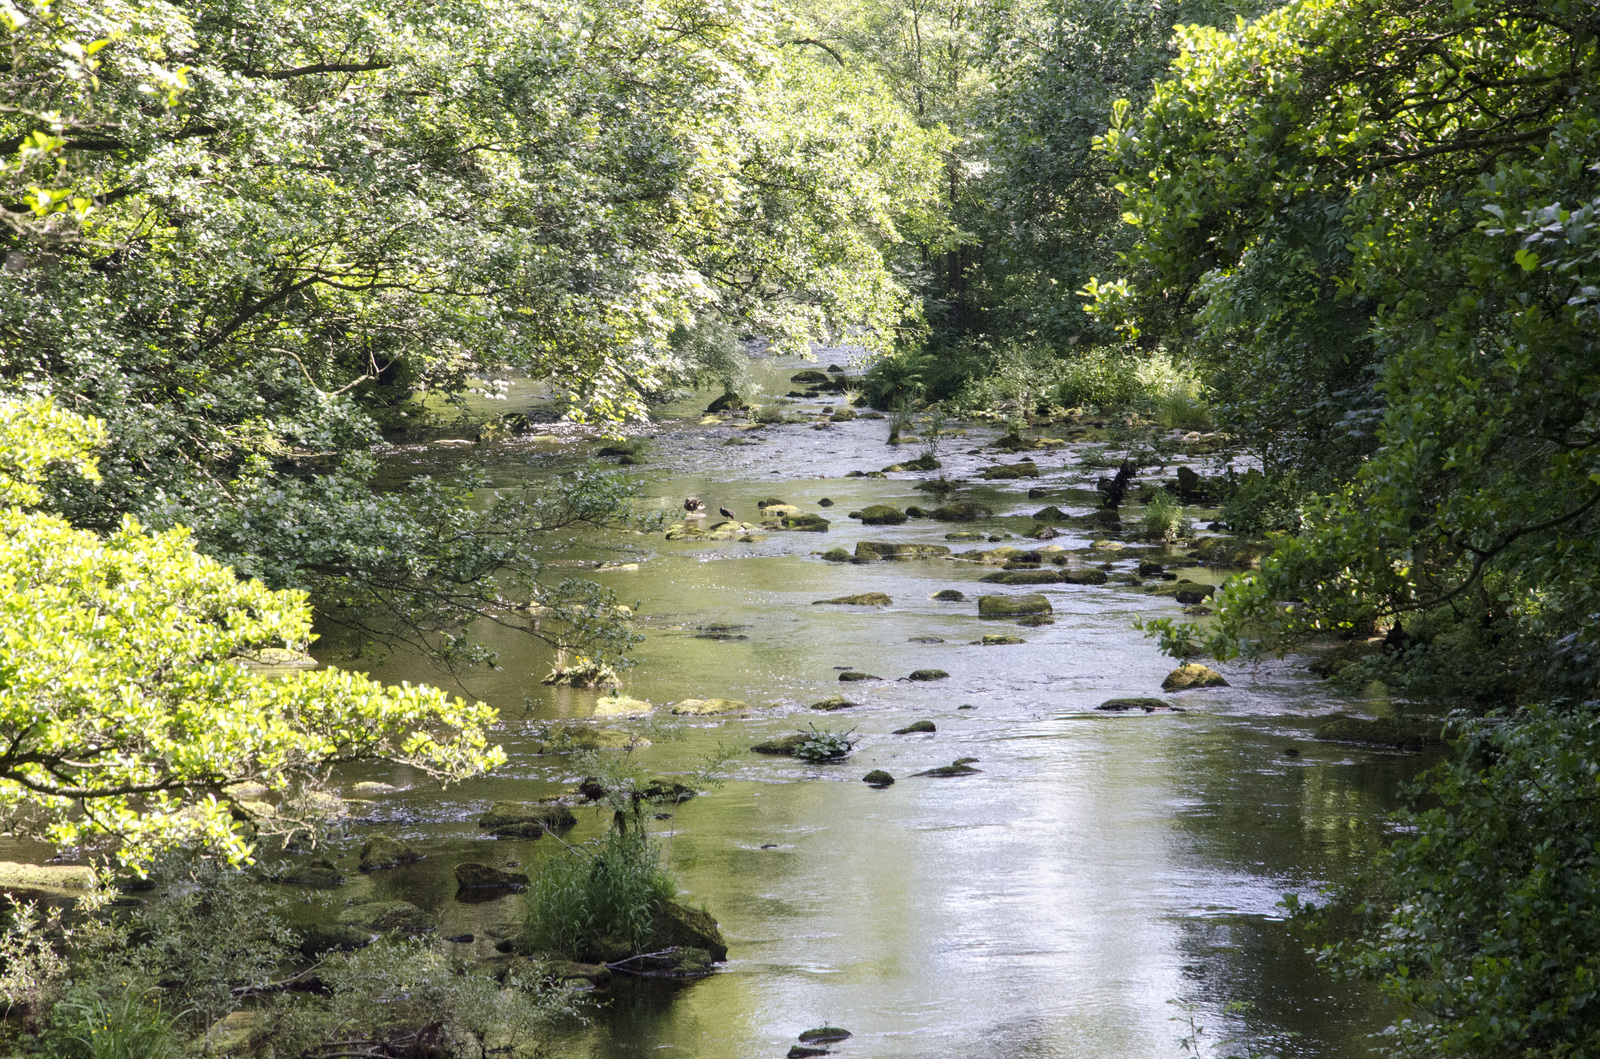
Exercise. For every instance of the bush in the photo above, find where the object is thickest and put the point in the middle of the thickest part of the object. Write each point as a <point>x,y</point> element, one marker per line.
<point>1258,504</point>
<point>1482,920</point>
<point>608,889</point>
<point>1164,518</point>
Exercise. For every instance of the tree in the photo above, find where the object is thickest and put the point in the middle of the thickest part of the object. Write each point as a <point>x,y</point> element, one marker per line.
<point>269,236</point>
<point>1377,223</point>
<point>127,704</point>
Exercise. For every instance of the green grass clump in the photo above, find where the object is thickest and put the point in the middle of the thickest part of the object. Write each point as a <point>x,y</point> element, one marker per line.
<point>123,1026</point>
<point>1164,518</point>
<point>608,889</point>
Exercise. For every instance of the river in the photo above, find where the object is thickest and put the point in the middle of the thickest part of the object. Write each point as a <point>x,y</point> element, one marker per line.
<point>1101,878</point>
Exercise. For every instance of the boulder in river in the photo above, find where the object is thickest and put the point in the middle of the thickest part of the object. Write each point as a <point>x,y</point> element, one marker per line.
<point>865,599</point>
<point>679,925</point>
<point>878,778</point>
<point>1193,675</point>
<point>1051,514</point>
<point>567,737</point>
<point>729,401</point>
<point>836,555</point>
<point>854,675</point>
<point>833,702</point>
<point>1084,577</point>
<point>999,640</point>
<point>809,377</point>
<point>885,550</point>
<point>783,745</point>
<point>1024,577</point>
<point>1148,705</point>
<point>387,917</point>
<point>318,873</point>
<point>922,463</point>
<point>960,511</point>
<point>804,522</point>
<point>880,515</point>
<point>381,851</point>
<point>475,878</point>
<point>1005,472</point>
<point>958,768</point>
<point>1012,606</point>
<point>1194,595</point>
<point>707,707</point>
<point>916,728</point>
<point>824,1034</point>
<point>623,706</point>
<point>1225,551</point>
<point>526,819</point>
<point>928,674</point>
<point>949,595</point>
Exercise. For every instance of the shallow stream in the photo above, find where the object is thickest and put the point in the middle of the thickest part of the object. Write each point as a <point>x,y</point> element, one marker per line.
<point>1100,876</point>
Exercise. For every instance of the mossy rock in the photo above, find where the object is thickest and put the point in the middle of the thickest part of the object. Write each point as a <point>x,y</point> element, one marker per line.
<point>316,874</point>
<point>1000,640</point>
<point>878,778</point>
<point>1106,546</point>
<point>1411,733</point>
<point>526,819</point>
<point>949,595</point>
<point>1148,705</point>
<point>809,377</point>
<point>843,415</point>
<point>964,535</point>
<point>707,707</point>
<point>824,1034</point>
<point>865,599</point>
<point>929,674</point>
<point>380,852</point>
<point>917,728</point>
<point>474,877</point>
<point>319,939</point>
<point>921,463</point>
<point>851,675</point>
<point>387,917</point>
<point>882,550</point>
<point>1013,606</point>
<point>728,402</point>
<point>1009,472</point>
<point>834,702</point>
<point>1035,620</point>
<point>961,511</point>
<point>784,745</point>
<point>1051,514</point>
<point>880,515</point>
<point>1023,577</point>
<point>1226,551</point>
<point>621,706</point>
<point>677,925</point>
<point>1193,595</point>
<point>48,876</point>
<point>569,738</point>
<point>836,555</point>
<point>805,522</point>
<point>1084,577</point>
<point>1193,675</point>
<point>959,768</point>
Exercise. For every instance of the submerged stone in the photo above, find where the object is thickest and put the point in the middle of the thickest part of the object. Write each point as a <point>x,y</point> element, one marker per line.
<point>997,639</point>
<point>865,599</point>
<point>473,877</point>
<point>387,917</point>
<point>707,707</point>
<point>1411,733</point>
<point>526,819</point>
<point>833,702</point>
<point>929,674</point>
<point>783,745</point>
<point>852,675</point>
<point>381,851</point>
<point>916,728</point>
<point>881,550</point>
<point>823,1034</point>
<point>1148,705</point>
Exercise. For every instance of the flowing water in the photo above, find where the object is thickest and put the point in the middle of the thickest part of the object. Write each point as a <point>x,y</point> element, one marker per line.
<point>1100,877</point>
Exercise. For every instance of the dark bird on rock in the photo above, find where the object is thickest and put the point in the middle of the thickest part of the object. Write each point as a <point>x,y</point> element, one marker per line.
<point>727,514</point>
<point>692,504</point>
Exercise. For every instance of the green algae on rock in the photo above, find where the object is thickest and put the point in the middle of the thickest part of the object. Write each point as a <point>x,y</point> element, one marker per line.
<point>1193,675</point>
<point>916,728</point>
<point>865,599</point>
<point>1013,606</point>
<point>928,674</point>
<point>878,778</point>
<point>526,819</point>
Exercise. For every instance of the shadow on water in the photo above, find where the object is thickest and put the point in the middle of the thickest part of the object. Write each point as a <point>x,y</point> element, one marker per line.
<point>1052,904</point>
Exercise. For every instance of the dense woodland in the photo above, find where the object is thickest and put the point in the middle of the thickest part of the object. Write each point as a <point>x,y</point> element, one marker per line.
<point>245,241</point>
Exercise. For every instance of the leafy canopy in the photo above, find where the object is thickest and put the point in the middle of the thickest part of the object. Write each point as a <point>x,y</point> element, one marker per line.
<point>127,705</point>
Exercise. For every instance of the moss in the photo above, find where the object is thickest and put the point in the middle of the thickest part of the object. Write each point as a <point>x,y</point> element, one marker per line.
<point>833,702</point>
<point>526,819</point>
<point>881,550</point>
<point>996,640</point>
<point>1193,675</point>
<point>1012,606</point>
<point>949,595</point>
<point>880,515</point>
<point>961,511</point>
<point>1023,577</point>
<point>878,778</point>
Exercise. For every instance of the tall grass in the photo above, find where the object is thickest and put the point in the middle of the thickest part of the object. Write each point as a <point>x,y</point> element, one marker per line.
<point>1164,518</point>
<point>123,1026</point>
<point>608,889</point>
